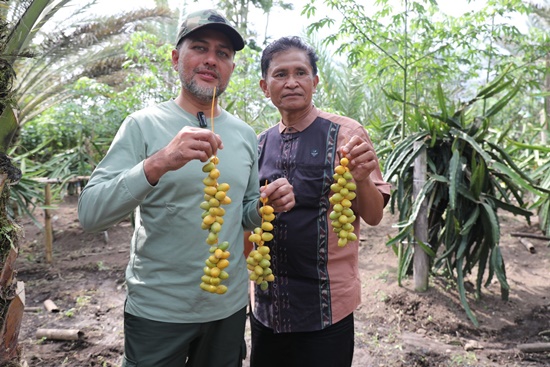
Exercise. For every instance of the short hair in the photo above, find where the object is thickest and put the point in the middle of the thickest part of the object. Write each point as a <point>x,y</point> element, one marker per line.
<point>284,44</point>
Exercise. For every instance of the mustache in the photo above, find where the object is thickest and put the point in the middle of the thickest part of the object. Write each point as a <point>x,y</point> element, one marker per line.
<point>207,69</point>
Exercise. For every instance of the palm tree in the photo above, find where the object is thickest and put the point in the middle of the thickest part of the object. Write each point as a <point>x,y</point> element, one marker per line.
<point>34,78</point>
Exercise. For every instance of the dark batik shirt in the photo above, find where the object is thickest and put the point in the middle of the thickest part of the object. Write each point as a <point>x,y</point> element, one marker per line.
<point>316,282</point>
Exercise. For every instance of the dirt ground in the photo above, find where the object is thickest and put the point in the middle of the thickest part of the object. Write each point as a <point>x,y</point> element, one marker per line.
<point>395,326</point>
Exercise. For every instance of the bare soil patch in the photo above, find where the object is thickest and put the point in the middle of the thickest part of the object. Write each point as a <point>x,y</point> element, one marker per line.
<point>395,326</point>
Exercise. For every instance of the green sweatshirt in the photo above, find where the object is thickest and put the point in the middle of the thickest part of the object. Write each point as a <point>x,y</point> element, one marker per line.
<point>168,248</point>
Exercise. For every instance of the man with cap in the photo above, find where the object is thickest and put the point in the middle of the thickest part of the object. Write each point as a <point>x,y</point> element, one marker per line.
<point>154,167</point>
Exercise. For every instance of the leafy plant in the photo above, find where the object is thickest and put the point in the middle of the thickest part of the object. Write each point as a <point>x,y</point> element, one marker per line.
<point>470,177</point>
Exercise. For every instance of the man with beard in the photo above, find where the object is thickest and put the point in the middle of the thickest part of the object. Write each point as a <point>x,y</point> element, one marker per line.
<point>155,165</point>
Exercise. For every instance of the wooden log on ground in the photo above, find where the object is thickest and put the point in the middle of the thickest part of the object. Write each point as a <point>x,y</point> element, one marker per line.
<point>534,347</point>
<point>530,235</point>
<point>33,309</point>
<point>59,334</point>
<point>50,306</point>
<point>528,245</point>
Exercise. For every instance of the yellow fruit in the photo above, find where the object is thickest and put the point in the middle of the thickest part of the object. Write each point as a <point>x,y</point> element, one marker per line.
<point>263,250</point>
<point>223,187</point>
<point>267,226</point>
<point>215,272</point>
<point>266,236</point>
<point>210,190</point>
<point>342,215</point>
<point>222,264</point>
<point>208,167</point>
<point>266,209</point>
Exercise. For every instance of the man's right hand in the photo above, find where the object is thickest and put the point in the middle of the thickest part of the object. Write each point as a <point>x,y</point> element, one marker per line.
<point>189,143</point>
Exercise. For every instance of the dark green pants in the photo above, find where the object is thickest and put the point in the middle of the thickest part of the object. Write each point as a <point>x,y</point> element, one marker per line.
<point>159,344</point>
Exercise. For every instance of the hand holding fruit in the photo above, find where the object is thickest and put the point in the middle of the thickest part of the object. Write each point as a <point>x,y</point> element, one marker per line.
<point>362,157</point>
<point>279,194</point>
<point>189,143</point>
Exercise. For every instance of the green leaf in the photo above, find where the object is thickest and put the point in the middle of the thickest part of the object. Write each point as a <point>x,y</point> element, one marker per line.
<point>472,219</point>
<point>440,96</point>
<point>462,135</point>
<point>498,265</point>
<point>462,292</point>
<point>426,248</point>
<point>404,160</point>
<point>479,177</point>
<point>489,90</point>
<point>499,105</point>
<point>518,179</point>
<point>454,167</point>
<point>8,128</point>
<point>490,219</point>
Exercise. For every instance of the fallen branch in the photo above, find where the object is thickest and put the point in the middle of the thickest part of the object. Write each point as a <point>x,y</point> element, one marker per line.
<point>529,235</point>
<point>528,245</point>
<point>534,347</point>
<point>59,334</point>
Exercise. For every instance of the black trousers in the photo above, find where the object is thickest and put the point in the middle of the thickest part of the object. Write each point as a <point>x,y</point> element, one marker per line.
<point>330,347</point>
<point>218,343</point>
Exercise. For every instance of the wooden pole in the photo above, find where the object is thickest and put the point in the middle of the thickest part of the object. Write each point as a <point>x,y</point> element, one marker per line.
<point>421,259</point>
<point>48,224</point>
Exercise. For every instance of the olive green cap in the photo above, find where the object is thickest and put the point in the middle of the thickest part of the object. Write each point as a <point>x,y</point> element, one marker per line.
<point>209,18</point>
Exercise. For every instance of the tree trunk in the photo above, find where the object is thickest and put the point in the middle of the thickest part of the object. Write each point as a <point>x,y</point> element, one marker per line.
<point>12,292</point>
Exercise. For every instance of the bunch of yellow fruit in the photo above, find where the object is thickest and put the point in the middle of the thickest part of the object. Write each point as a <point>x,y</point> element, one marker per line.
<point>342,215</point>
<point>215,195</point>
<point>258,261</point>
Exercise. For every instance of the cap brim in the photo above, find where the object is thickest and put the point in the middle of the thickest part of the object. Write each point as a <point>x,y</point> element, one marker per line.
<point>235,37</point>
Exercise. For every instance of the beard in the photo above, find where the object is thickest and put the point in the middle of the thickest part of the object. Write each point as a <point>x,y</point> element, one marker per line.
<point>203,93</point>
